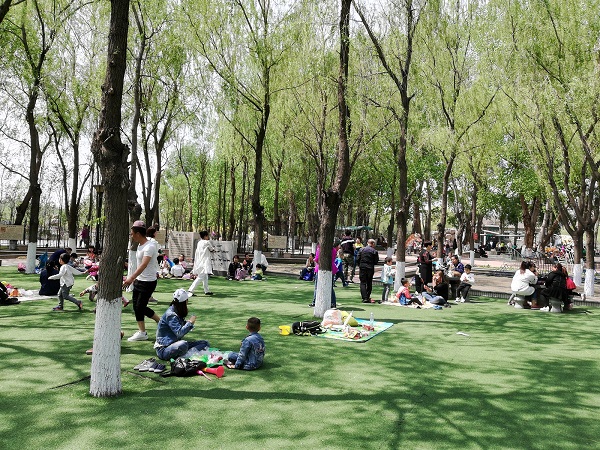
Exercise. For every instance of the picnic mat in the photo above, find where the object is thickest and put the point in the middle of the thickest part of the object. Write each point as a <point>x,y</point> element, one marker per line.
<point>380,327</point>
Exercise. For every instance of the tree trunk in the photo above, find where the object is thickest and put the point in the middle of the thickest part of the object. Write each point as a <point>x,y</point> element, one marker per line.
<point>441,227</point>
<point>330,204</point>
<point>111,156</point>
<point>232,196</point>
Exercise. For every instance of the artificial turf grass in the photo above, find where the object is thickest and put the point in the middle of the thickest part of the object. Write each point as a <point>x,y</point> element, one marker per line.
<point>417,385</point>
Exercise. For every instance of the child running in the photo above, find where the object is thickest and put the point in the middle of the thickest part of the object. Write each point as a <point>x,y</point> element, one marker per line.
<point>65,275</point>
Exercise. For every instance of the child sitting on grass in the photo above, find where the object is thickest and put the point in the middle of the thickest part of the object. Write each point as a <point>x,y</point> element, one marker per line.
<point>404,296</point>
<point>258,273</point>
<point>252,350</point>
<point>65,275</point>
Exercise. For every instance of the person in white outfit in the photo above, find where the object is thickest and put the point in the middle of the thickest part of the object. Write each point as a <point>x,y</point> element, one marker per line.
<point>524,280</point>
<point>202,264</point>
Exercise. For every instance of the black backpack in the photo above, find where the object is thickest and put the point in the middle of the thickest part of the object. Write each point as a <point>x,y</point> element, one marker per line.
<point>311,327</point>
<point>184,367</point>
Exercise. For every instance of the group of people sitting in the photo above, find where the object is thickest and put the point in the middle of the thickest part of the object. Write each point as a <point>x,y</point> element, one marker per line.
<point>538,290</point>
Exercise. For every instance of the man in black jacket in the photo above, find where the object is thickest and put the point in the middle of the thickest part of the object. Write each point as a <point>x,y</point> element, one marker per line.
<point>367,258</point>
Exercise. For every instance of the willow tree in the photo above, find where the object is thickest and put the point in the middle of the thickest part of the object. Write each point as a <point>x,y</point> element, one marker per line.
<point>243,43</point>
<point>555,99</point>
<point>111,155</point>
<point>395,54</point>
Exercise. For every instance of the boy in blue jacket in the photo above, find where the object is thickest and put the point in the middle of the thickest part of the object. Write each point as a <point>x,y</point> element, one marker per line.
<point>252,351</point>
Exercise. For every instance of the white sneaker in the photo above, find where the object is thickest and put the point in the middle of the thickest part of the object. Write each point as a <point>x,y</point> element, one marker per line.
<point>457,300</point>
<point>138,336</point>
<point>545,309</point>
<point>462,300</point>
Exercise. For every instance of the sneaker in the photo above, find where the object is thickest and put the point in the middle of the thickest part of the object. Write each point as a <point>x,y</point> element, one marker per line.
<point>80,306</point>
<point>145,363</point>
<point>138,336</point>
<point>191,294</point>
<point>462,300</point>
<point>89,351</point>
<point>208,293</point>
<point>159,368</point>
<point>457,300</point>
<point>57,308</point>
<point>152,300</point>
<point>311,305</point>
<point>545,309</point>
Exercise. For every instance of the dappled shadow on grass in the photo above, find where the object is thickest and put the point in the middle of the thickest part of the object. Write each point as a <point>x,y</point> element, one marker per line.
<point>418,385</point>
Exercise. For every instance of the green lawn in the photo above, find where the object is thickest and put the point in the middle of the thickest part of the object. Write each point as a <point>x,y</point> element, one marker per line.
<point>521,379</point>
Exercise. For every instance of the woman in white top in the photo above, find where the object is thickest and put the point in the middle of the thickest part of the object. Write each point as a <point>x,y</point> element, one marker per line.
<point>143,279</point>
<point>524,279</point>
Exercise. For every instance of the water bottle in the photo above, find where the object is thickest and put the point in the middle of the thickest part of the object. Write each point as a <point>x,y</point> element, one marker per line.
<point>372,321</point>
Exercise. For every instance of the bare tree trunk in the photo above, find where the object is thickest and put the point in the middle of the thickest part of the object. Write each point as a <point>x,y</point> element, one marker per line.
<point>111,156</point>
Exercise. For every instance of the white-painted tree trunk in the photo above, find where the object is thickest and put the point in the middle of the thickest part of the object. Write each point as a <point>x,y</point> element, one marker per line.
<point>131,267</point>
<point>400,273</point>
<point>589,283</point>
<point>72,244</point>
<point>577,273</point>
<point>256,259</point>
<point>472,258</point>
<point>106,358</point>
<point>323,300</point>
<point>31,259</point>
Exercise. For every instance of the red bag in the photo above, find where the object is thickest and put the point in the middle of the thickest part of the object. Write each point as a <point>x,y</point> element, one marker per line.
<point>570,284</point>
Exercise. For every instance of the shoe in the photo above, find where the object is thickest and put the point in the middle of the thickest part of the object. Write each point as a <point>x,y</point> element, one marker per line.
<point>57,308</point>
<point>191,294</point>
<point>152,300</point>
<point>447,305</point>
<point>346,285</point>
<point>457,300</point>
<point>89,351</point>
<point>545,309</point>
<point>208,293</point>
<point>145,365</point>
<point>158,367</point>
<point>312,305</point>
<point>366,301</point>
<point>462,300</point>
<point>138,336</point>
<point>80,306</point>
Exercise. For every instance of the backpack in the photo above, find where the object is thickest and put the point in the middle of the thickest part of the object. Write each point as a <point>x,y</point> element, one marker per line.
<point>184,367</point>
<point>311,327</point>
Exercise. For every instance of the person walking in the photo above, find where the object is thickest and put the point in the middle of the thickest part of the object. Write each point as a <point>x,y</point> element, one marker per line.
<point>202,264</point>
<point>144,279</point>
<point>367,259</point>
